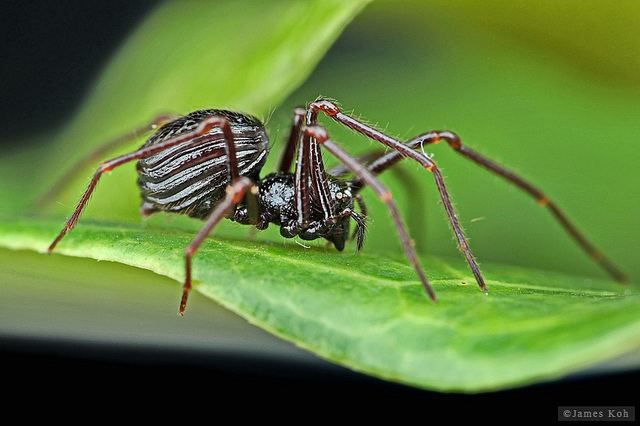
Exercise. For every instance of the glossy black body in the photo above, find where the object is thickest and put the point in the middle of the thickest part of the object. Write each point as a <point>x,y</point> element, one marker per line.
<point>278,206</point>
<point>191,178</point>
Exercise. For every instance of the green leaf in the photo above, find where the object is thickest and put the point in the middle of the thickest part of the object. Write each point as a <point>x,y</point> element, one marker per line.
<point>370,313</point>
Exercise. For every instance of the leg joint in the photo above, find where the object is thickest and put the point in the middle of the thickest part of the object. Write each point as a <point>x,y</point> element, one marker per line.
<point>385,197</point>
<point>104,167</point>
<point>318,133</point>
<point>325,106</point>
<point>542,201</point>
<point>452,139</point>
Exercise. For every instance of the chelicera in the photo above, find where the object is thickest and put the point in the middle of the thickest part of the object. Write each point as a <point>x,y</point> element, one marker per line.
<point>207,165</point>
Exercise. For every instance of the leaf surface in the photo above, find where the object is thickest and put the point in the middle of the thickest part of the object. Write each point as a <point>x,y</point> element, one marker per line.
<point>369,313</point>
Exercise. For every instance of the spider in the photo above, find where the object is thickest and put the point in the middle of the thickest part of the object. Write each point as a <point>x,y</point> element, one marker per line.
<point>207,165</point>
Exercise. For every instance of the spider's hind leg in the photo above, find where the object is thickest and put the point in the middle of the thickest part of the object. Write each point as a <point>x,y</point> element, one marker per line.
<point>59,186</point>
<point>203,128</point>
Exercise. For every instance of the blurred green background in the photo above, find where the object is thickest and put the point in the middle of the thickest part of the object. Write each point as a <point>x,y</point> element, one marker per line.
<point>551,91</point>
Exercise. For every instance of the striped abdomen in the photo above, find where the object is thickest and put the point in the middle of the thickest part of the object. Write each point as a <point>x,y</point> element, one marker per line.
<point>191,178</point>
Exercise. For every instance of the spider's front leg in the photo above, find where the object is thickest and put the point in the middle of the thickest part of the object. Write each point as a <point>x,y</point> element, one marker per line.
<point>320,136</point>
<point>333,111</point>
<point>383,162</point>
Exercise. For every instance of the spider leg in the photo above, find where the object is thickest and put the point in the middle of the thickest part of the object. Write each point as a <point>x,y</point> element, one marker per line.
<point>455,143</point>
<point>311,180</point>
<point>320,135</point>
<point>292,142</point>
<point>235,194</point>
<point>252,207</point>
<point>340,170</point>
<point>361,222</point>
<point>372,159</point>
<point>319,181</point>
<point>301,181</point>
<point>385,161</point>
<point>46,198</point>
<point>333,111</point>
<point>360,219</point>
<point>203,128</point>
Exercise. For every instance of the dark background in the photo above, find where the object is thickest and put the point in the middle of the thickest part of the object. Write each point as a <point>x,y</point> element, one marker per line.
<point>51,52</point>
<point>95,376</point>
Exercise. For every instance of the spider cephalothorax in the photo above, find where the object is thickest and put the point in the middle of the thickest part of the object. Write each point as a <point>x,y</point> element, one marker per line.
<point>207,165</point>
<point>277,198</point>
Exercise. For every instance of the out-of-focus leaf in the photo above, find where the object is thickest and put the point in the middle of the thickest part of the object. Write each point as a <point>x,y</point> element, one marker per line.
<point>241,55</point>
<point>599,37</point>
<point>569,133</point>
